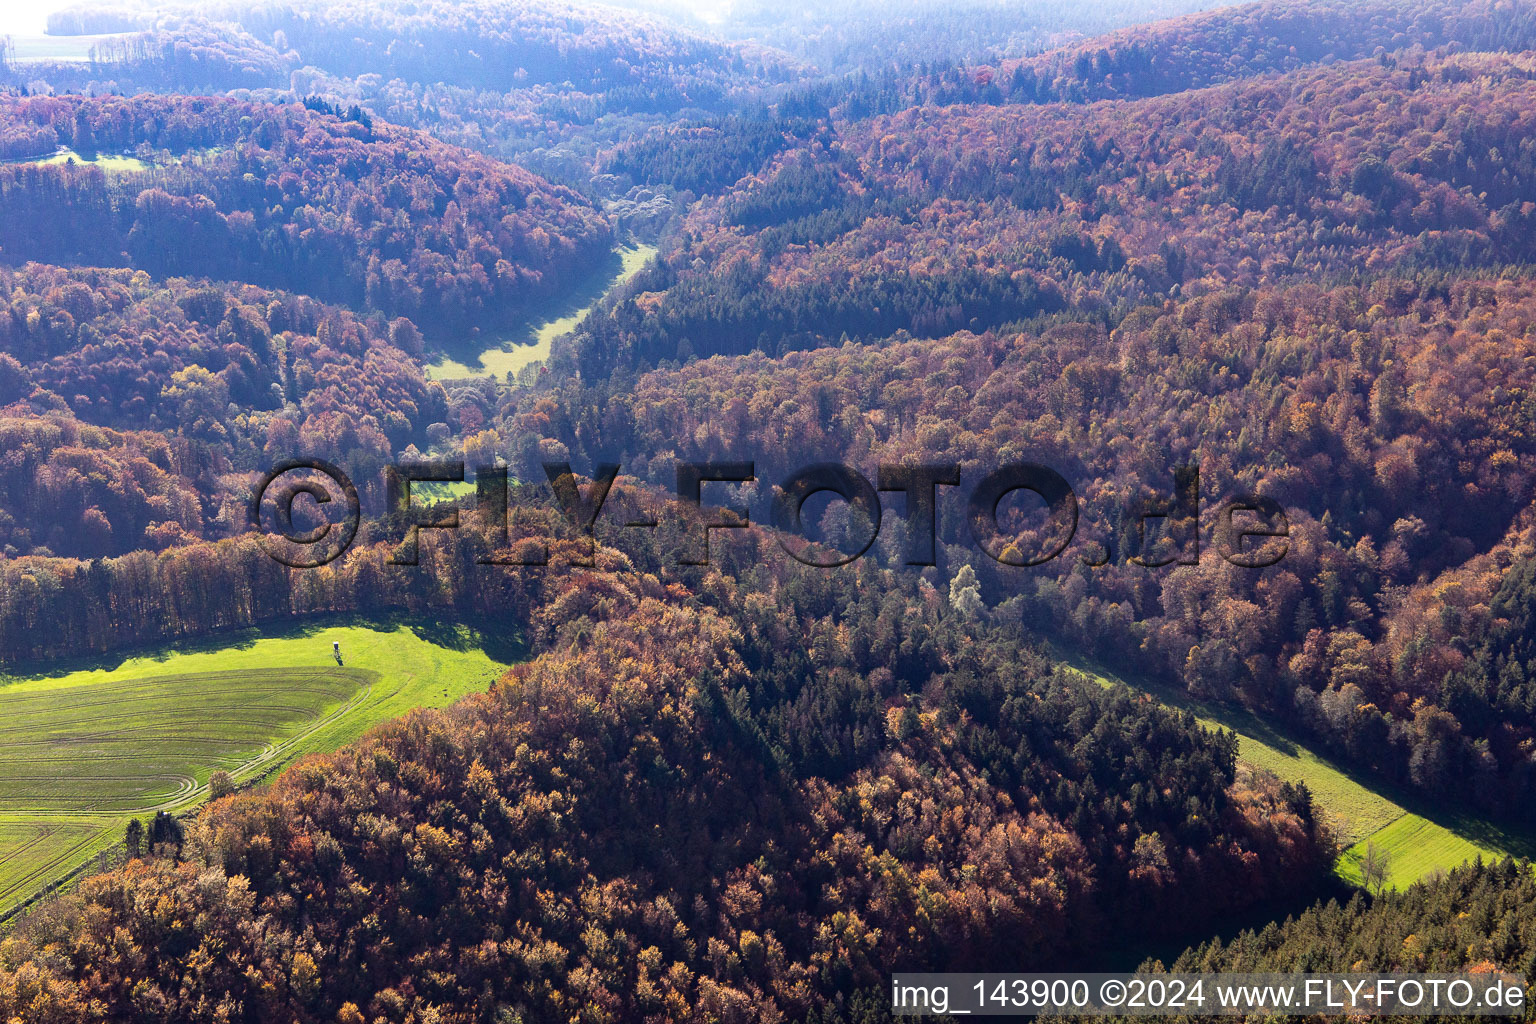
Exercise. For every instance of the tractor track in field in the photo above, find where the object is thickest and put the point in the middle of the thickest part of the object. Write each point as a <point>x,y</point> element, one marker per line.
<point>43,847</point>
<point>49,867</point>
<point>187,793</point>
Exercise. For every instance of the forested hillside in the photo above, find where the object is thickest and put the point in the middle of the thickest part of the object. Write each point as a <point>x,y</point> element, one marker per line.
<point>1310,286</point>
<point>942,218</point>
<point>348,210</point>
<point>1288,243</point>
<point>137,413</point>
<point>1390,421</point>
<point>1233,43</point>
<point>659,819</point>
<point>877,35</point>
<point>544,82</point>
<point>478,44</point>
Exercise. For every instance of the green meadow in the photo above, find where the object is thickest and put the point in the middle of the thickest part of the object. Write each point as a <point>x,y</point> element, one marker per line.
<point>1417,847</point>
<point>524,348</point>
<point>108,162</point>
<point>1416,844</point>
<point>118,163</point>
<point>87,750</point>
<point>428,492</point>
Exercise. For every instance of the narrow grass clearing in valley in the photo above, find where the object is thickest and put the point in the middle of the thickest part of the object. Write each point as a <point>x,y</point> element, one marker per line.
<point>511,354</point>
<point>1415,845</point>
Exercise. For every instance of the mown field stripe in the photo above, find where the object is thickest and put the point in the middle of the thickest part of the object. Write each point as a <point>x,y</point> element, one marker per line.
<point>1414,847</point>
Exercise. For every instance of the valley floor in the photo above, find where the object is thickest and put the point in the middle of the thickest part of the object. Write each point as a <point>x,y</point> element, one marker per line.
<point>508,355</point>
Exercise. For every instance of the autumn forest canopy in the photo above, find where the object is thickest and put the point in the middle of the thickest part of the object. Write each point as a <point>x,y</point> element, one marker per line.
<point>1285,245</point>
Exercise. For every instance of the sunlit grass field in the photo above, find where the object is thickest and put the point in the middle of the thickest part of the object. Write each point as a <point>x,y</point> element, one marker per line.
<point>134,744</point>
<point>30,46</point>
<point>108,162</point>
<point>425,492</point>
<point>34,853</point>
<point>1415,847</point>
<point>86,750</point>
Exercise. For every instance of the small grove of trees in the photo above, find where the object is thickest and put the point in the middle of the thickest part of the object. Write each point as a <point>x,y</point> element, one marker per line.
<point>133,838</point>
<point>164,835</point>
<point>1375,867</point>
<point>220,785</point>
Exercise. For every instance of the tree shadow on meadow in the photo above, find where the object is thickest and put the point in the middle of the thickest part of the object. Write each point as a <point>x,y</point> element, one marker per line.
<point>501,641</point>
